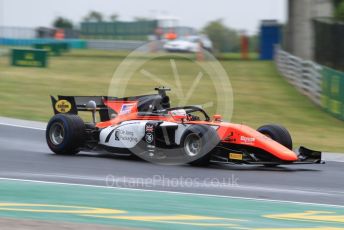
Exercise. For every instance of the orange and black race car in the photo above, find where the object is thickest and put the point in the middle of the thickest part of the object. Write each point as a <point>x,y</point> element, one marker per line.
<point>147,126</point>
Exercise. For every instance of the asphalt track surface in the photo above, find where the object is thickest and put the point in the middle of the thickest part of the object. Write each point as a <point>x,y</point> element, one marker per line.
<point>25,155</point>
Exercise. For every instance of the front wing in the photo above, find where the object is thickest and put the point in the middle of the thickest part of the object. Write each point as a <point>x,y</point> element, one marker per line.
<point>254,156</point>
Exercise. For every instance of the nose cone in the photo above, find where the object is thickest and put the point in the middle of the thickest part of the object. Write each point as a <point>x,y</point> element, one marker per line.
<point>276,149</point>
<point>269,145</point>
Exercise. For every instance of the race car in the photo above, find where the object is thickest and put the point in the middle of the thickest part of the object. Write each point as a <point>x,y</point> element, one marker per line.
<point>190,44</point>
<point>147,126</point>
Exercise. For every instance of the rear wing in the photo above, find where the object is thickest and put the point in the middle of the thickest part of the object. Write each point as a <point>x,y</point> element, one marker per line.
<point>74,104</point>
<point>107,106</point>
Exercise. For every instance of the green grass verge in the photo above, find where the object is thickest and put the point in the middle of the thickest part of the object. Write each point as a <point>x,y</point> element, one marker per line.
<point>261,95</point>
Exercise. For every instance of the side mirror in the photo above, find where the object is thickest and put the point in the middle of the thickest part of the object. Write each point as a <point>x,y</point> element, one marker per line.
<point>217,118</point>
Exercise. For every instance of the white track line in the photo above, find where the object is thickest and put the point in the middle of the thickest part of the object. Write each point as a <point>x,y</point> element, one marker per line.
<point>120,179</point>
<point>177,193</point>
<point>22,126</point>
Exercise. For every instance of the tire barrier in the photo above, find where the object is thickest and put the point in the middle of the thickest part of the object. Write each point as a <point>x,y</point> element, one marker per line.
<point>322,85</point>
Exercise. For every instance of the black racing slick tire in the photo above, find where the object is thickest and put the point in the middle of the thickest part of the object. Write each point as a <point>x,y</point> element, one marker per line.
<point>197,143</point>
<point>277,133</point>
<point>65,134</point>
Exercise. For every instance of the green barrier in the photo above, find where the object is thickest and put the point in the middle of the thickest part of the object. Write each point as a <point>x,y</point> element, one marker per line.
<point>29,57</point>
<point>333,92</point>
<point>53,48</point>
<point>63,46</point>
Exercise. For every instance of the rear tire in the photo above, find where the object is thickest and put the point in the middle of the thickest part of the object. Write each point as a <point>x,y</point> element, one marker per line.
<point>277,133</point>
<point>65,134</point>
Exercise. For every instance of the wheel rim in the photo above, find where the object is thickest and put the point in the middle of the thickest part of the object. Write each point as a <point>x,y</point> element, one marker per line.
<point>56,133</point>
<point>192,145</point>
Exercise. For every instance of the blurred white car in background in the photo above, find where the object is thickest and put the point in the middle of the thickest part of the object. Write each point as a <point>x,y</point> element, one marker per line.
<point>188,44</point>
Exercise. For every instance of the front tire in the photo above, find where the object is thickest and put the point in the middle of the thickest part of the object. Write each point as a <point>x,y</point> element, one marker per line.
<point>197,143</point>
<point>277,133</point>
<point>65,134</point>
